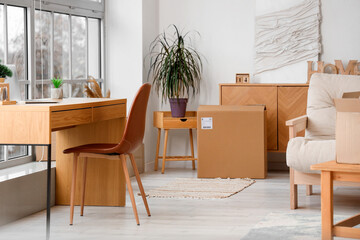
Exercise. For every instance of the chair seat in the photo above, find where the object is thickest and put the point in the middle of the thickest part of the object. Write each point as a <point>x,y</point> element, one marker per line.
<point>104,148</point>
<point>301,153</point>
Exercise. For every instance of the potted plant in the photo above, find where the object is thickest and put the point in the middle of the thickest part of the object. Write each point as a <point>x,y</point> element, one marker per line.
<point>4,72</point>
<point>57,91</point>
<point>176,68</point>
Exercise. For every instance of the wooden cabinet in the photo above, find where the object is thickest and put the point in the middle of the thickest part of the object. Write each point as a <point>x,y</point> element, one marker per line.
<point>291,104</point>
<point>283,102</point>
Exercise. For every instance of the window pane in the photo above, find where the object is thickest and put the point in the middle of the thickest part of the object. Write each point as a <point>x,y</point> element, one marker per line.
<point>2,34</point>
<point>16,39</point>
<point>77,89</point>
<point>42,90</point>
<point>16,151</point>
<point>61,46</point>
<point>94,47</point>
<point>66,90</point>
<point>78,47</point>
<point>1,153</point>
<point>16,56</point>
<point>43,44</point>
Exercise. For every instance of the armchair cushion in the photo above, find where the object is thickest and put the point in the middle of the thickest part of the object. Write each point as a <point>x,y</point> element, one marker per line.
<point>301,153</point>
<point>321,110</point>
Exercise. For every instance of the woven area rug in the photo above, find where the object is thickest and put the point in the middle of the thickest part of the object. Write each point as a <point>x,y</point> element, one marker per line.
<point>201,188</point>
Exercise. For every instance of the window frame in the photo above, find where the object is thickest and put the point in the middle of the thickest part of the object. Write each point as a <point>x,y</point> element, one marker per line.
<point>81,8</point>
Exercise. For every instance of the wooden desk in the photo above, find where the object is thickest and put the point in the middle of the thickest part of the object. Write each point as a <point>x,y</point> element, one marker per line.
<point>77,121</point>
<point>330,172</point>
<point>164,120</point>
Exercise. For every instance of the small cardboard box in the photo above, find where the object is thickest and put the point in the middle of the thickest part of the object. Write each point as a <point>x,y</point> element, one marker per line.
<point>348,128</point>
<point>231,141</point>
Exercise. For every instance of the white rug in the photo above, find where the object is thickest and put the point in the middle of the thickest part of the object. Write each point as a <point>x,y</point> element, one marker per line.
<point>201,188</point>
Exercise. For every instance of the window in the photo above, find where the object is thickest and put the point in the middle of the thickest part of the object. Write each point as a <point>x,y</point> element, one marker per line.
<point>45,39</point>
<point>13,54</point>
<point>73,63</point>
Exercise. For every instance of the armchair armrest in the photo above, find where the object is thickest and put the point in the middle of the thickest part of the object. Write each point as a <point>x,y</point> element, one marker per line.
<point>296,125</point>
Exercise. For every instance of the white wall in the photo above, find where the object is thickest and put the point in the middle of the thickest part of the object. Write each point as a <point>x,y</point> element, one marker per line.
<point>131,25</point>
<point>124,48</point>
<point>150,31</point>
<point>340,30</point>
<point>227,40</point>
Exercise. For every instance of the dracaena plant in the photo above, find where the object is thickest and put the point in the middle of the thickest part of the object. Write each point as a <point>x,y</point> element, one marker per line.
<point>176,66</point>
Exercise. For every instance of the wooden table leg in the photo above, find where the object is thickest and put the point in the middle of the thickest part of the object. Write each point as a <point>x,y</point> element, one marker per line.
<point>192,147</point>
<point>164,152</point>
<point>309,190</point>
<point>157,150</point>
<point>327,209</point>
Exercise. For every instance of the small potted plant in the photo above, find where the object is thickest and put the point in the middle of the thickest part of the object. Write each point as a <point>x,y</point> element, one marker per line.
<point>4,72</point>
<point>57,91</point>
<point>176,68</point>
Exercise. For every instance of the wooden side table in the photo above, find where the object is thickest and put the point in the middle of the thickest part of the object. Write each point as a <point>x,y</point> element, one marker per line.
<point>164,120</point>
<point>330,172</point>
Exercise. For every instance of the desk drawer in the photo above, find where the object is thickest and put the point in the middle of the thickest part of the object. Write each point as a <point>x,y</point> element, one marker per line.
<point>102,113</point>
<point>69,118</point>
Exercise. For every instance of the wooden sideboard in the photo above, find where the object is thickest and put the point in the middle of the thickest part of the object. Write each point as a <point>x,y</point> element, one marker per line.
<point>283,102</point>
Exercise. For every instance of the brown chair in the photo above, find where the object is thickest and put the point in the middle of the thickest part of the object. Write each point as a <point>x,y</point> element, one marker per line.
<point>132,138</point>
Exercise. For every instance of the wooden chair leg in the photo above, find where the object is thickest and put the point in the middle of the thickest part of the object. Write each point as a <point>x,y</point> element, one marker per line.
<point>309,190</point>
<point>192,147</point>
<point>157,150</point>
<point>73,188</point>
<point>293,191</point>
<point>138,179</point>
<point>128,183</point>
<point>83,188</point>
<point>164,152</point>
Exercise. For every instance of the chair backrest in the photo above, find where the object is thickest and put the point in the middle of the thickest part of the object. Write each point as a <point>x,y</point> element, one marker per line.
<point>135,126</point>
<point>321,110</point>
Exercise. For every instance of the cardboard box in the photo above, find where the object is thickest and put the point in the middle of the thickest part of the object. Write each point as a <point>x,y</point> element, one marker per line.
<point>231,141</point>
<point>348,128</point>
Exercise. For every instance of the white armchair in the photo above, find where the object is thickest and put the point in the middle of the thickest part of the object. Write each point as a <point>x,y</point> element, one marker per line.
<point>318,145</point>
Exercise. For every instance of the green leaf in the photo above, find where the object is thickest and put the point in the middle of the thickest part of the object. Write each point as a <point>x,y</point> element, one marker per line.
<point>57,82</point>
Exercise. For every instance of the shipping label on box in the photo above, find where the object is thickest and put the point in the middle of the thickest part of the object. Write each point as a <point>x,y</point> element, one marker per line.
<point>206,123</point>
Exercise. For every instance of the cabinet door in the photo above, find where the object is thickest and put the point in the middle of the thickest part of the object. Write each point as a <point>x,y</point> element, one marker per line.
<point>291,104</point>
<point>244,95</point>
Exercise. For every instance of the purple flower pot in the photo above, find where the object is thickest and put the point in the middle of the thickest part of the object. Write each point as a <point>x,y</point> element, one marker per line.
<point>178,106</point>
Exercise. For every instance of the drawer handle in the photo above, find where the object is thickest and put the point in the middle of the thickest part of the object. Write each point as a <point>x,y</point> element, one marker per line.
<point>183,119</point>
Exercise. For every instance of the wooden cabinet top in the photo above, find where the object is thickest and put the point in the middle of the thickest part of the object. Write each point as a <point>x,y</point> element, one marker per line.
<point>265,84</point>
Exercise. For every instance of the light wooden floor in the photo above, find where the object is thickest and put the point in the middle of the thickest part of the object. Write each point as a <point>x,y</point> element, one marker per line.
<point>230,218</point>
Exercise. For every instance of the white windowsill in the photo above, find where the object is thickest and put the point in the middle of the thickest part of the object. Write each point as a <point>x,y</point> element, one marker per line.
<point>23,170</point>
